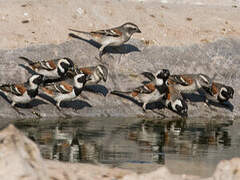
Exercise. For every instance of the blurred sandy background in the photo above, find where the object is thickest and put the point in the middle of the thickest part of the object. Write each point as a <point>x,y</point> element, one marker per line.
<point>163,22</point>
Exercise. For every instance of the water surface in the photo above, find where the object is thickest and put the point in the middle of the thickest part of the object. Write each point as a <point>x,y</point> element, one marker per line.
<point>185,146</point>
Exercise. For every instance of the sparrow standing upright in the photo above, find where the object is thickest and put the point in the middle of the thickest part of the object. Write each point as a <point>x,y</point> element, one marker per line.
<point>65,90</point>
<point>112,37</point>
<point>149,92</point>
<point>22,92</point>
<point>55,68</point>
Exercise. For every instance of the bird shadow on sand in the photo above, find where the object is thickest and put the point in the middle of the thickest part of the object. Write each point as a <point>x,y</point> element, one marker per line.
<point>33,103</point>
<point>98,89</point>
<point>123,49</point>
<point>195,98</point>
<point>149,106</point>
<point>75,104</point>
<point>227,105</point>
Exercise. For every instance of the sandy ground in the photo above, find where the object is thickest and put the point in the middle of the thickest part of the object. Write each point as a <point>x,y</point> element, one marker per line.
<point>163,22</point>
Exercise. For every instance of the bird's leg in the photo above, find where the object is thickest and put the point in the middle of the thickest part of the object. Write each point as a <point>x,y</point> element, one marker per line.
<point>14,107</point>
<point>58,105</point>
<point>144,107</point>
<point>206,103</point>
<point>101,52</point>
<point>84,96</point>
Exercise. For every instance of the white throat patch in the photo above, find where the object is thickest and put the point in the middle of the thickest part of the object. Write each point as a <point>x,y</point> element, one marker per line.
<point>177,102</point>
<point>159,82</point>
<point>32,85</point>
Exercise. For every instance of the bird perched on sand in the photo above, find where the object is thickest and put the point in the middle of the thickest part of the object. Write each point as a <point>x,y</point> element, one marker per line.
<point>149,92</point>
<point>187,83</point>
<point>112,37</point>
<point>54,68</point>
<point>66,90</point>
<point>219,92</point>
<point>22,92</point>
<point>95,73</point>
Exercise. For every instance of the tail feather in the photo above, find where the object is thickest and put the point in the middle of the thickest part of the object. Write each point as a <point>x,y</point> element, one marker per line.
<point>120,92</point>
<point>5,87</point>
<point>30,62</point>
<point>148,75</point>
<point>83,32</point>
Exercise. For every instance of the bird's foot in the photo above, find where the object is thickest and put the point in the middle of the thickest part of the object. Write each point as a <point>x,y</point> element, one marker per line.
<point>20,113</point>
<point>210,107</point>
<point>37,114</point>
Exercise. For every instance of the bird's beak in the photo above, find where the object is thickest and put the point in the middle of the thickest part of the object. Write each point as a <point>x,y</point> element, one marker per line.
<point>138,31</point>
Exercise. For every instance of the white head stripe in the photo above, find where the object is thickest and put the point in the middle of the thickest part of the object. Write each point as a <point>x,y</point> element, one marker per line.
<point>182,79</point>
<point>32,85</point>
<point>159,82</point>
<point>177,102</point>
<point>204,78</point>
<point>100,69</point>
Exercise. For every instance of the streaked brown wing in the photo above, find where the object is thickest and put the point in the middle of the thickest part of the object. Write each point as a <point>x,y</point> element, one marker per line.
<point>114,32</point>
<point>180,79</point>
<point>20,88</point>
<point>145,89</point>
<point>64,87</point>
<point>214,89</point>
<point>86,70</point>
<point>48,65</point>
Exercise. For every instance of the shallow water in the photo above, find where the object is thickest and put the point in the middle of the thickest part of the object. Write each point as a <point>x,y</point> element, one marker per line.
<point>141,145</point>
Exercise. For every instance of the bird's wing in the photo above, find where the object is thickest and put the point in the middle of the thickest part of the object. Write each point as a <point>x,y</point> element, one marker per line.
<point>148,75</point>
<point>16,89</point>
<point>87,70</point>
<point>115,32</point>
<point>145,89</point>
<point>173,93</point>
<point>64,87</point>
<point>180,79</point>
<point>48,64</point>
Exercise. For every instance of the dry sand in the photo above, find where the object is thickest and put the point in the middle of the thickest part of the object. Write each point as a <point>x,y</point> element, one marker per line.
<point>163,22</point>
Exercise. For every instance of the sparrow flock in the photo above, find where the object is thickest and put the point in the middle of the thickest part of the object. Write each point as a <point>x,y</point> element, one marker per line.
<point>62,80</point>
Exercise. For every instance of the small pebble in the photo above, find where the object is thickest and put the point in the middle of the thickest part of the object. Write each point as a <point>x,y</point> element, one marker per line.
<point>25,21</point>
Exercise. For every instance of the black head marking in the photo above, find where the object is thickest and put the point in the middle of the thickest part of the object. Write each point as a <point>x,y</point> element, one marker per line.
<point>163,74</point>
<point>38,79</point>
